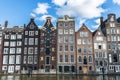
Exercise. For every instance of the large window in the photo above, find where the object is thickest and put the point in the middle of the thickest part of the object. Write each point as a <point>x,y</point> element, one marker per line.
<point>31,33</point>
<point>80,59</point>
<point>60,39</point>
<point>19,43</point>
<point>90,58</point>
<point>72,58</point>
<point>30,59</point>
<point>47,60</point>
<point>71,31</point>
<point>66,58</point>
<point>6,43</point>
<point>71,48</point>
<point>30,50</point>
<point>61,58</point>
<point>26,41</point>
<point>19,36</point>
<point>31,41</point>
<point>18,59</point>
<point>60,31</point>
<point>60,48</point>
<point>83,34</point>
<point>18,51</point>
<point>115,58</point>
<point>65,31</point>
<point>5,59</point>
<point>5,51</point>
<point>7,36</point>
<point>36,41</point>
<point>71,39</point>
<point>13,36</point>
<point>12,43</point>
<point>11,59</point>
<point>66,47</point>
<point>12,50</point>
<point>66,39</point>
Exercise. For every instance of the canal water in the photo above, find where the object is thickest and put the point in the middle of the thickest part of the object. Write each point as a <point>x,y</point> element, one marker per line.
<point>58,77</point>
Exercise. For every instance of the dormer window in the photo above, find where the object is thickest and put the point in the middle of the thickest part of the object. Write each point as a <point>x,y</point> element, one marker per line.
<point>112,18</point>
<point>112,24</point>
<point>31,27</point>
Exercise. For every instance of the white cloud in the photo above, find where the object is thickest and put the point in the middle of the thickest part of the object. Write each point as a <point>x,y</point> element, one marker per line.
<point>42,8</point>
<point>97,21</point>
<point>59,2</point>
<point>43,18</point>
<point>117,1</point>
<point>82,8</point>
<point>32,15</point>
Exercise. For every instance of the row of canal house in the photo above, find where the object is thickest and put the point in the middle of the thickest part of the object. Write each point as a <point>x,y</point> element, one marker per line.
<point>61,50</point>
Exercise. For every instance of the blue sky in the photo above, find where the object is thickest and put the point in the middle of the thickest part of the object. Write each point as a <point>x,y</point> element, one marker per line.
<point>18,12</point>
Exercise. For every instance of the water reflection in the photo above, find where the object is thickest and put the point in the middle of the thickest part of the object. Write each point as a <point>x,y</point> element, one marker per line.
<point>58,77</point>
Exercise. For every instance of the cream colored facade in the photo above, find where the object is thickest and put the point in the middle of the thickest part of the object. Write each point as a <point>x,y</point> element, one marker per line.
<point>100,52</point>
<point>66,60</point>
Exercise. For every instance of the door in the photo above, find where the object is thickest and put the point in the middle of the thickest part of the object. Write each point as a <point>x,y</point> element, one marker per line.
<point>85,69</point>
<point>11,69</point>
<point>47,69</point>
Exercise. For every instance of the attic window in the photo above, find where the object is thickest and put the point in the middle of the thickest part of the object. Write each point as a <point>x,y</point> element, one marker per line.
<point>31,27</point>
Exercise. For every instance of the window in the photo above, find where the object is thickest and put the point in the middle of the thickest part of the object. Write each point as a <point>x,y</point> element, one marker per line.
<point>25,50</point>
<point>66,47</point>
<point>30,50</point>
<point>5,51</point>
<point>85,60</point>
<point>60,39</point>
<point>65,31</point>
<point>71,48</point>
<point>19,36</point>
<point>78,41</point>
<point>90,67</point>
<point>36,50</point>
<point>71,39</point>
<point>90,59</point>
<point>13,36</point>
<point>72,58</point>
<point>99,38</point>
<point>18,59</point>
<point>12,43</point>
<point>66,58</point>
<point>47,60</point>
<point>113,31</point>
<point>110,58</point>
<point>80,68</point>
<point>108,38</point>
<point>66,24</point>
<point>71,31</point>
<point>31,33</point>
<point>11,59</point>
<point>108,31</point>
<point>7,36</point>
<point>19,43</point>
<point>112,24</point>
<point>31,41</point>
<point>35,59</point>
<point>18,50</point>
<point>26,32</point>
<point>25,60</point>
<point>66,39</point>
<point>30,59</point>
<point>6,43</point>
<point>80,59</point>
<point>12,50</point>
<point>5,59</point>
<point>36,32</point>
<point>79,50</point>
<point>26,41</point>
<point>60,48</point>
<point>99,46</point>
<point>83,34</point>
<point>115,58</point>
<point>97,54</point>
<point>36,41</point>
<point>85,49</point>
<point>60,31</point>
<point>61,58</point>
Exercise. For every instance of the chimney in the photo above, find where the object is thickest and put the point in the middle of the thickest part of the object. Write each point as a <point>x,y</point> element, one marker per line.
<point>6,24</point>
<point>101,20</point>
